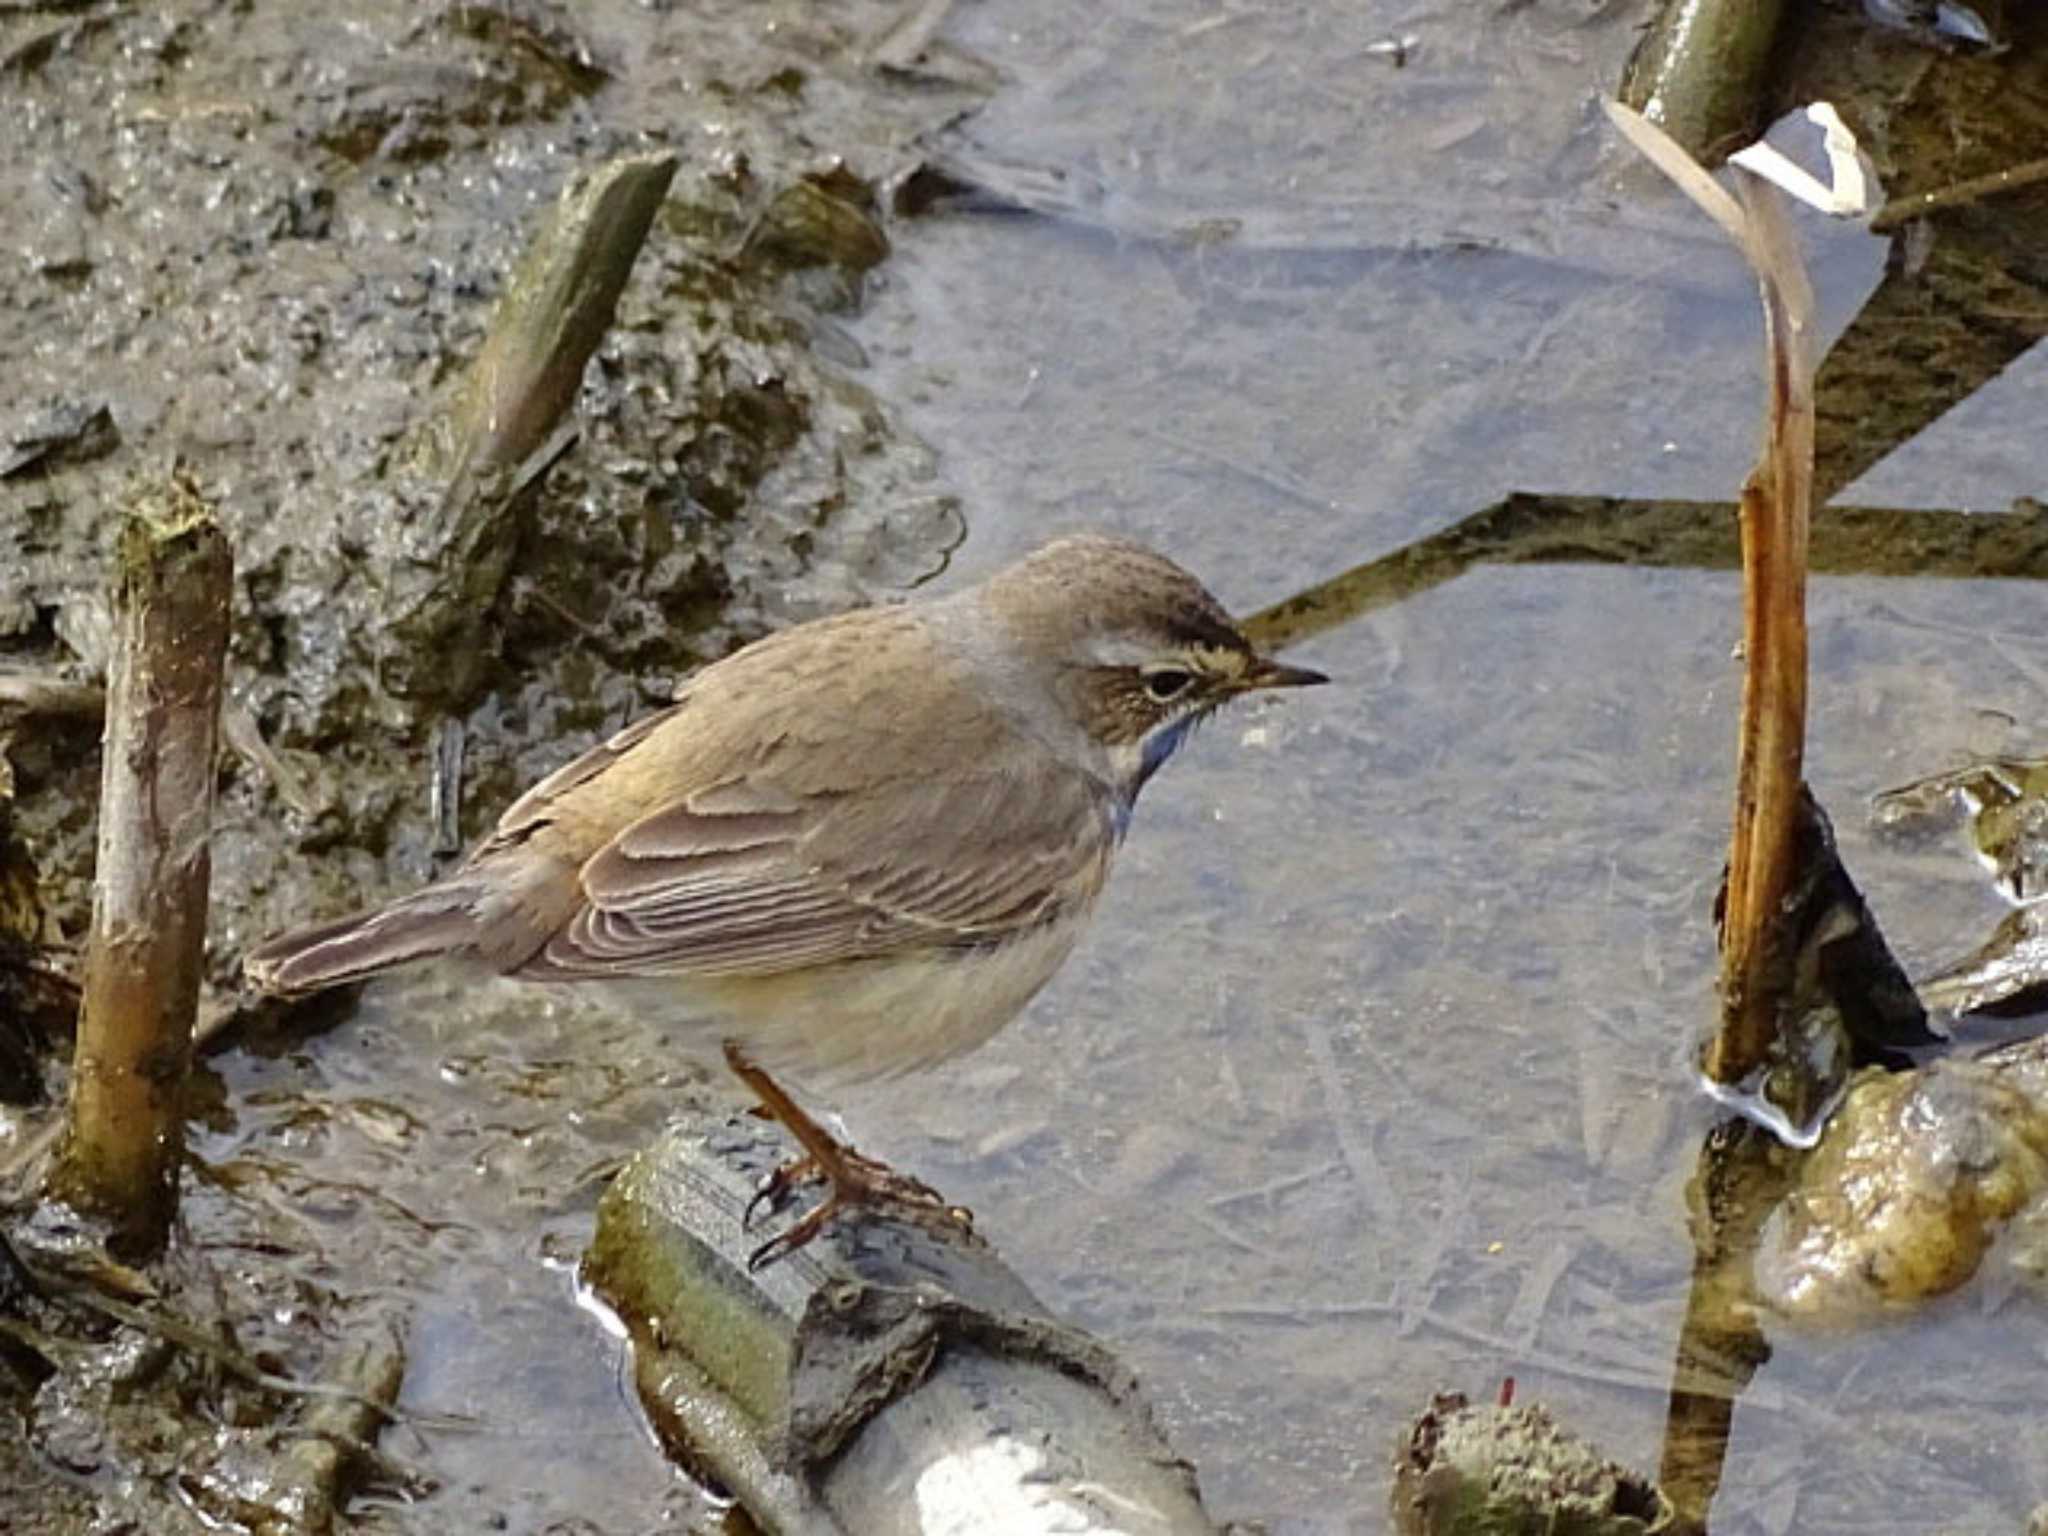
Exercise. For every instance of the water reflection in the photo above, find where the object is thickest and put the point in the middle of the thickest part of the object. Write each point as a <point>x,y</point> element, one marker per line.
<point>1517,839</point>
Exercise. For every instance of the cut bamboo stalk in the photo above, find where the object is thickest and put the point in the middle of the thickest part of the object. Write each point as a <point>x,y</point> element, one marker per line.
<point>143,955</point>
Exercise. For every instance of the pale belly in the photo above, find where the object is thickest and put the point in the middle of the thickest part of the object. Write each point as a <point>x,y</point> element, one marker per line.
<point>862,1019</point>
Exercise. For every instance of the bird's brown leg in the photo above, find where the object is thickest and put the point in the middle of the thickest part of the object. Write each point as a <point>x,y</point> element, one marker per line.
<point>855,1180</point>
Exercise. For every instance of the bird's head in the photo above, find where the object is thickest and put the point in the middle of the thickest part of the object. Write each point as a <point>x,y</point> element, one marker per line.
<point>1139,650</point>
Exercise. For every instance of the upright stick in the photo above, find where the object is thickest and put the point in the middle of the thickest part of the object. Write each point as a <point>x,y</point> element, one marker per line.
<point>1776,509</point>
<point>142,962</point>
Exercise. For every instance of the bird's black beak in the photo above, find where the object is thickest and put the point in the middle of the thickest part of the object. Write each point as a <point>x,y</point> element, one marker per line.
<point>1268,673</point>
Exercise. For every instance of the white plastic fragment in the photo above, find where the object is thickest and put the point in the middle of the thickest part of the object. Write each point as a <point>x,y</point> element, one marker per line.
<point>1848,168</point>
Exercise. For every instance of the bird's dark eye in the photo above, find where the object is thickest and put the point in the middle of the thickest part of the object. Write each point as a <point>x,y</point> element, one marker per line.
<point>1167,683</point>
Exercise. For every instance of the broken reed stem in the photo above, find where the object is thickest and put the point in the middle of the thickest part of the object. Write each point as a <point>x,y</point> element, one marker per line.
<point>1775,512</point>
<point>553,314</point>
<point>142,961</point>
<point>507,422</point>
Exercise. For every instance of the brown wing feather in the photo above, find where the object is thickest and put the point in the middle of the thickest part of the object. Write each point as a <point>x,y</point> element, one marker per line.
<point>537,803</point>
<point>771,820</point>
<point>954,860</point>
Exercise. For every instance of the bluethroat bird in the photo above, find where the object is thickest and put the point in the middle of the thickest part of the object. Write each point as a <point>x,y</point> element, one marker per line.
<point>853,848</point>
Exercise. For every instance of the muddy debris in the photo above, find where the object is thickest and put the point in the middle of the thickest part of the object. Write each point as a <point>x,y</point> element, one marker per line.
<point>60,434</point>
<point>821,221</point>
<point>2002,804</point>
<point>1511,1470</point>
<point>1920,1179</point>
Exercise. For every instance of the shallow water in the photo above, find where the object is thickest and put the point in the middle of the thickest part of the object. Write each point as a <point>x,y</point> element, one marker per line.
<point>1374,1077</point>
<point>436,1162</point>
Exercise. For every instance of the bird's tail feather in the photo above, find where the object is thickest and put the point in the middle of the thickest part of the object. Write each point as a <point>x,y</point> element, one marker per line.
<point>427,925</point>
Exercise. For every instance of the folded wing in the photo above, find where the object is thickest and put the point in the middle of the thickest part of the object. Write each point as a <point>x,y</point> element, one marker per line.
<point>745,877</point>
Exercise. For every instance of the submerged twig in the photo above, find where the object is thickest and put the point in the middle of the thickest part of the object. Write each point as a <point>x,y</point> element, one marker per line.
<point>1524,528</point>
<point>1960,194</point>
<point>1721,1346</point>
<point>143,955</point>
<point>195,1340</point>
<point>1359,1158</point>
<point>907,38</point>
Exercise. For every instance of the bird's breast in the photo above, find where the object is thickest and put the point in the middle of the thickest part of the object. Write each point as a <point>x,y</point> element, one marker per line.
<point>874,1017</point>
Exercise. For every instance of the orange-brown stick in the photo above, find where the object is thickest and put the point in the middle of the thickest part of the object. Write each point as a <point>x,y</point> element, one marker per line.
<point>1770,754</point>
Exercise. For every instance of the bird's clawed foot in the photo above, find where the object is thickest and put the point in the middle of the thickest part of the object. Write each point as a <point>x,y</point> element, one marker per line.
<point>857,1181</point>
<point>877,1178</point>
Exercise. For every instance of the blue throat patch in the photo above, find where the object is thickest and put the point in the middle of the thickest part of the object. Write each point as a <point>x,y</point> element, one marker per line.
<point>1159,746</point>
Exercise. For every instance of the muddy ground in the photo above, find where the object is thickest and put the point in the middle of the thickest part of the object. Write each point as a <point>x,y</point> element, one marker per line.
<point>262,244</point>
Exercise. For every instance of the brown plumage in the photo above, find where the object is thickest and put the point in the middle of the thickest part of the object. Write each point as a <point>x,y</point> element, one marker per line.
<point>857,846</point>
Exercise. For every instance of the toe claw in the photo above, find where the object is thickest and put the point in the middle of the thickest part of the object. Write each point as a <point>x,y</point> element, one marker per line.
<point>767,1254</point>
<point>774,1186</point>
<point>792,1237</point>
<point>766,1197</point>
